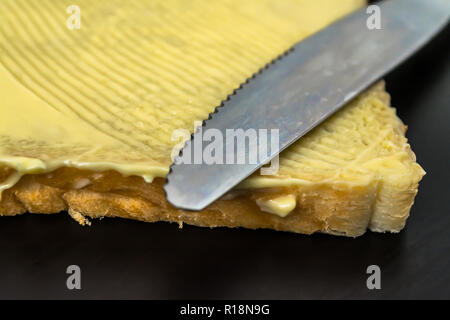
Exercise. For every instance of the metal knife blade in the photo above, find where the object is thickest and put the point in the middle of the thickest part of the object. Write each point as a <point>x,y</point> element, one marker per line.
<point>296,93</point>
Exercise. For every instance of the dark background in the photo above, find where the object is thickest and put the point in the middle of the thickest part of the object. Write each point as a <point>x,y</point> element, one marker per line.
<point>129,259</point>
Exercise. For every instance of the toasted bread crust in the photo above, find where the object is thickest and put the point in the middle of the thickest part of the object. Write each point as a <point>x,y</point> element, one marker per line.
<point>86,194</point>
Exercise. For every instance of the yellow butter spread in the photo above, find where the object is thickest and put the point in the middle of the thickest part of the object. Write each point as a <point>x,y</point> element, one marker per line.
<point>110,94</point>
<point>280,206</point>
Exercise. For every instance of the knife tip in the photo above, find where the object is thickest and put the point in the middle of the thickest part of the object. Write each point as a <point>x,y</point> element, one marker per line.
<point>181,199</point>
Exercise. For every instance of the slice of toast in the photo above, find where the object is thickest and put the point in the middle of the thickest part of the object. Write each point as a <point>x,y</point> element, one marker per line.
<point>374,190</point>
<point>88,113</point>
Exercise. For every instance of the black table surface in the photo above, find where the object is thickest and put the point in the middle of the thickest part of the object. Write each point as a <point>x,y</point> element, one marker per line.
<point>128,259</point>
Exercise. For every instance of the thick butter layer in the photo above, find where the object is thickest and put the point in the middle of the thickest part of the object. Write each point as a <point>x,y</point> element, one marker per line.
<point>110,95</point>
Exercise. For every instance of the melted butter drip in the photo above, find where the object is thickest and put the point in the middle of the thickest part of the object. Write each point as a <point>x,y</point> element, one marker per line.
<point>9,182</point>
<point>280,206</point>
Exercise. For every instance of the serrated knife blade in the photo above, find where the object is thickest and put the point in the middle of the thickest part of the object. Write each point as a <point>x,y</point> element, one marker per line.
<point>318,76</point>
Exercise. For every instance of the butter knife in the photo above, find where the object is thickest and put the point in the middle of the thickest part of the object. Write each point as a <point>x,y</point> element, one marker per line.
<point>297,92</point>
